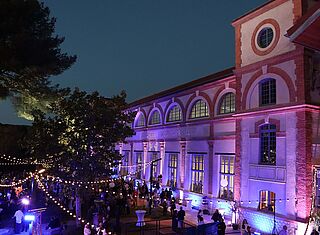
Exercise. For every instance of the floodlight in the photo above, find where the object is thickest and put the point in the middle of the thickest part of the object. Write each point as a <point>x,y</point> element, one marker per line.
<point>25,201</point>
<point>29,217</point>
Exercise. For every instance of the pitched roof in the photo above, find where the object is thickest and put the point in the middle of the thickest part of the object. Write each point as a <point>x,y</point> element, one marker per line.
<point>306,30</point>
<point>210,78</point>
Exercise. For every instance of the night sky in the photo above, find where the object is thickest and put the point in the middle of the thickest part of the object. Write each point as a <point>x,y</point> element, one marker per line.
<point>142,46</point>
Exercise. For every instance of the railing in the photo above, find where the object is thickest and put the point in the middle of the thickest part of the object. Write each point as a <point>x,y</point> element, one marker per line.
<point>157,227</point>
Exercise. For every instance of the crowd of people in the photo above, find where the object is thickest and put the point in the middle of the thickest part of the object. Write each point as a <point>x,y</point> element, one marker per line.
<point>11,206</point>
<point>104,204</point>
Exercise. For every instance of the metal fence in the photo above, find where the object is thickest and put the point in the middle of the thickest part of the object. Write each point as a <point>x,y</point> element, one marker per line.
<point>157,227</point>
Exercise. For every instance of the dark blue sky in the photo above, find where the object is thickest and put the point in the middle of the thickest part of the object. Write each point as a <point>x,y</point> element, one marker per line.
<point>142,46</point>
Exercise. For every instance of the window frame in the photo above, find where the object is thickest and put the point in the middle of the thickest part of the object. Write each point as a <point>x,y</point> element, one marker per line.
<point>139,162</point>
<point>267,201</point>
<point>155,169</point>
<point>137,122</point>
<point>268,95</point>
<point>175,114</point>
<point>199,112</point>
<point>223,101</point>
<point>125,162</point>
<point>151,119</point>
<point>227,172</point>
<point>268,142</point>
<point>172,169</point>
<point>264,43</point>
<point>197,173</point>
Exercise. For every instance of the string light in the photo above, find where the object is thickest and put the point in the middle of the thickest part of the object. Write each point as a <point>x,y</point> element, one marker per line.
<point>15,184</point>
<point>56,201</point>
<point>19,161</point>
<point>58,179</point>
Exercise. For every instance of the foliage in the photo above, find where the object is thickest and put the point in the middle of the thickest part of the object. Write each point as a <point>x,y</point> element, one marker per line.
<point>81,134</point>
<point>29,53</point>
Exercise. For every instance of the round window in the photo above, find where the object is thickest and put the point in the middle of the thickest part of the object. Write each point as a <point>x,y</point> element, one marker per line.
<point>265,37</point>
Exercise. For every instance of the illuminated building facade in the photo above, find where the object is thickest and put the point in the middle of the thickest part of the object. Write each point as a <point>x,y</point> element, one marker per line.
<point>249,134</point>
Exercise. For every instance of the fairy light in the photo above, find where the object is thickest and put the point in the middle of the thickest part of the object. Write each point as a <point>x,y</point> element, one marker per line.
<point>56,201</point>
<point>19,161</point>
<point>19,182</point>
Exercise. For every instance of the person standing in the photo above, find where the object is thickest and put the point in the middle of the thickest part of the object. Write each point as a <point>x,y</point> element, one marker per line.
<point>244,226</point>
<point>174,220</point>
<point>284,230</point>
<point>216,216</point>
<point>247,231</point>
<point>181,215</point>
<point>172,206</point>
<point>87,230</point>
<point>19,217</point>
<point>314,232</point>
<point>222,227</point>
<point>199,216</point>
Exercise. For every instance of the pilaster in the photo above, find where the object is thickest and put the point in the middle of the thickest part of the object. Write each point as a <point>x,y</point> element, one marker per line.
<point>181,162</point>
<point>145,159</point>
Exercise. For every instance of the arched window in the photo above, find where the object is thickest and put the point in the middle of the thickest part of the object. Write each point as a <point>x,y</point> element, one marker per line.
<point>227,103</point>
<point>174,114</point>
<point>267,201</point>
<point>268,144</point>
<point>267,90</point>
<point>141,121</point>
<point>199,110</point>
<point>155,118</point>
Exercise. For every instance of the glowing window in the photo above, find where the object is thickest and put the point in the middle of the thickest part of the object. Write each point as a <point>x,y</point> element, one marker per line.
<point>199,110</point>
<point>140,121</point>
<point>125,161</point>
<point>174,114</point>
<point>227,103</point>
<point>227,177</point>
<point>267,201</point>
<point>155,118</point>
<point>265,37</point>
<point>268,144</point>
<point>155,156</point>
<point>139,164</point>
<point>267,89</point>
<point>172,170</point>
<point>197,171</point>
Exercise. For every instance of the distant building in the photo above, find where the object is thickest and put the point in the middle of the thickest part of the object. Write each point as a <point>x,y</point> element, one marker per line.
<point>249,134</point>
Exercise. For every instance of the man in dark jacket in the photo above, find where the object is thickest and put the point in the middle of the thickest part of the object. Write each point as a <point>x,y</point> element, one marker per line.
<point>181,215</point>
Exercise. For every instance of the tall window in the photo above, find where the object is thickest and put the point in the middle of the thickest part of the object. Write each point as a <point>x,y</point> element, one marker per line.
<point>141,121</point>
<point>197,170</point>
<point>268,144</point>
<point>267,88</point>
<point>139,164</point>
<point>199,110</point>
<point>227,103</point>
<point>267,201</point>
<point>172,170</point>
<point>155,164</point>
<point>125,161</point>
<point>174,114</point>
<point>226,177</point>
<point>155,118</point>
